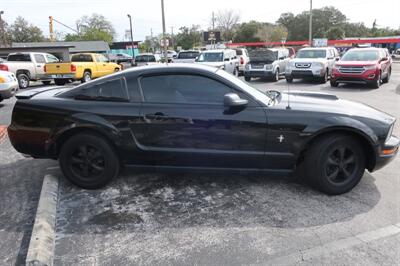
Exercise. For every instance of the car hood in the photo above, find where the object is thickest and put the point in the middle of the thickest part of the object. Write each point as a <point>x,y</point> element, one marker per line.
<point>356,63</point>
<point>331,105</point>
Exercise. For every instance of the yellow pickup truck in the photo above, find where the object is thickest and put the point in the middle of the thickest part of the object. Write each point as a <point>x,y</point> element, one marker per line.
<point>83,67</point>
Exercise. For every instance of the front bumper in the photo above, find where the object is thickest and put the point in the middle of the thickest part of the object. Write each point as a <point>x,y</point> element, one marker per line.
<point>387,153</point>
<point>259,73</point>
<point>367,77</point>
<point>305,73</point>
<point>8,90</point>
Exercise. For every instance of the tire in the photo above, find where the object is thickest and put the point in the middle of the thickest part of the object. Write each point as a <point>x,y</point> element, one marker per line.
<point>324,79</point>
<point>88,161</point>
<point>289,79</point>
<point>247,78</point>
<point>377,83</point>
<point>87,76</point>
<point>387,78</point>
<point>60,82</point>
<point>236,72</point>
<point>46,82</point>
<point>335,164</point>
<point>334,84</point>
<point>23,81</point>
<point>275,78</point>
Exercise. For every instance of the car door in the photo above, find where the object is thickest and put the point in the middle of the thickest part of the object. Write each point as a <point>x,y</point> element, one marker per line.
<point>105,65</point>
<point>384,63</point>
<point>39,62</point>
<point>184,123</point>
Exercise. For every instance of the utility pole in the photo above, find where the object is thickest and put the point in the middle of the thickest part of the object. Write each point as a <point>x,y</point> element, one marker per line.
<point>130,23</point>
<point>2,31</point>
<point>152,40</point>
<point>310,29</point>
<point>213,27</point>
<point>172,37</point>
<point>51,29</point>
<point>163,34</point>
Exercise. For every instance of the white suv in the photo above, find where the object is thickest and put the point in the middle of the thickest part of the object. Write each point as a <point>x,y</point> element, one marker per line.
<point>314,62</point>
<point>222,58</point>
<point>243,58</point>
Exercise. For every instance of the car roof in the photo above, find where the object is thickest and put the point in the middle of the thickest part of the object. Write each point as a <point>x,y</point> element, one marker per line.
<point>366,49</point>
<point>218,51</point>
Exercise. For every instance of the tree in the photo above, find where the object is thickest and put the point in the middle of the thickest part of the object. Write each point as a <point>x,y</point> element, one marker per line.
<point>93,28</point>
<point>188,37</point>
<point>226,22</point>
<point>22,31</point>
<point>272,33</point>
<point>335,33</point>
<point>247,32</point>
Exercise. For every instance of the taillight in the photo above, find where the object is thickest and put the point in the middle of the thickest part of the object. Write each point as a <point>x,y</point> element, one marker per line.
<point>241,60</point>
<point>3,67</point>
<point>73,68</point>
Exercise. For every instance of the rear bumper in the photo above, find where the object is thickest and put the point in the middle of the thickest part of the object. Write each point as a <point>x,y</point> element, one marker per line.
<point>392,148</point>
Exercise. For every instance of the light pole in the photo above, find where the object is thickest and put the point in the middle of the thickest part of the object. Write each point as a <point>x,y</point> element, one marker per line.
<point>163,28</point>
<point>2,38</point>
<point>310,29</point>
<point>130,23</point>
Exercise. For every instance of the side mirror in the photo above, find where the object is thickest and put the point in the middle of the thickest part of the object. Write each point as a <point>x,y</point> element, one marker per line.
<point>226,59</point>
<point>233,100</point>
<point>384,59</point>
<point>281,58</point>
<point>196,59</point>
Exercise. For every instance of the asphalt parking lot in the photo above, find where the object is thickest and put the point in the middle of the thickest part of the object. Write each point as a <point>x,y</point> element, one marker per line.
<point>202,219</point>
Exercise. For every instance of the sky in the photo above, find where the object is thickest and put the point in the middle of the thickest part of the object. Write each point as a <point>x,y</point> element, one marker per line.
<point>146,14</point>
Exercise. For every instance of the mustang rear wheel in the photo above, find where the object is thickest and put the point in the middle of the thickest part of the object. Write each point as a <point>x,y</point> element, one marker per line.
<point>335,164</point>
<point>88,161</point>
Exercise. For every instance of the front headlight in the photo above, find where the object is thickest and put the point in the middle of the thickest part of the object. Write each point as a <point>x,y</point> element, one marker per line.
<point>2,80</point>
<point>268,67</point>
<point>247,67</point>
<point>389,133</point>
<point>318,64</point>
<point>373,67</point>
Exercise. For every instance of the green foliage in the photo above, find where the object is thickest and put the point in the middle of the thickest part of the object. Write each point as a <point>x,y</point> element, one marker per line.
<point>335,33</point>
<point>22,31</point>
<point>93,28</point>
<point>188,38</point>
<point>247,31</point>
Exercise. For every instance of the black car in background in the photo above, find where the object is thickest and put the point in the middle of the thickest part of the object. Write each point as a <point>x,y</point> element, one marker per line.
<point>193,117</point>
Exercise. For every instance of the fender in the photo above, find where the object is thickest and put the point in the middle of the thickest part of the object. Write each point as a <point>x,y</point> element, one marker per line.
<point>82,121</point>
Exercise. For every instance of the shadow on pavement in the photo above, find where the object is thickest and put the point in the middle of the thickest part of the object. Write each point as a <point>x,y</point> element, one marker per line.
<point>144,202</point>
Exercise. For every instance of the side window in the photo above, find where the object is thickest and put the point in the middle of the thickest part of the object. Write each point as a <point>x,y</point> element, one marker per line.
<point>19,58</point>
<point>109,90</point>
<point>183,89</point>
<point>40,59</point>
<point>51,58</point>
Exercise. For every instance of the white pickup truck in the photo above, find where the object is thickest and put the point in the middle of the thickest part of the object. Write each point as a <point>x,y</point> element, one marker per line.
<point>28,66</point>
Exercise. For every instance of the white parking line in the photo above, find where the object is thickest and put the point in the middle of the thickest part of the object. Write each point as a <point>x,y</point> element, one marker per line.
<point>307,254</point>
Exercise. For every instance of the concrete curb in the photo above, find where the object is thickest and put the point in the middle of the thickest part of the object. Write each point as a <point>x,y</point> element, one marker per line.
<point>41,245</point>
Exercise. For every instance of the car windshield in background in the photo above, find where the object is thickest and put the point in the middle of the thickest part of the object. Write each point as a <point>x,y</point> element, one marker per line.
<point>19,58</point>
<point>311,54</point>
<point>188,55</point>
<point>211,57</point>
<point>145,58</point>
<point>264,55</point>
<point>361,56</point>
<point>81,58</point>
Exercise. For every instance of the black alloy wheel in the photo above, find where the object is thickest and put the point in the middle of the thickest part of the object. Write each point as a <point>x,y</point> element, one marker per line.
<point>341,165</point>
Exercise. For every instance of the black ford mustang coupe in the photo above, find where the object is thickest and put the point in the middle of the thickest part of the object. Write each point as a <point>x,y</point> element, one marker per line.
<point>200,118</point>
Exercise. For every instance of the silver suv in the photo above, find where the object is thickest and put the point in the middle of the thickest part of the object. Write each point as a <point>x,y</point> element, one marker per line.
<point>268,63</point>
<point>315,63</point>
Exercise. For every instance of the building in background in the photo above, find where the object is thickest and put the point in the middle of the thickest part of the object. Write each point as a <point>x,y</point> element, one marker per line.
<point>124,48</point>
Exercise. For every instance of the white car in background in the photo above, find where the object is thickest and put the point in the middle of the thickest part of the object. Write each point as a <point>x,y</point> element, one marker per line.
<point>225,59</point>
<point>146,59</point>
<point>243,57</point>
<point>188,56</point>
<point>8,85</point>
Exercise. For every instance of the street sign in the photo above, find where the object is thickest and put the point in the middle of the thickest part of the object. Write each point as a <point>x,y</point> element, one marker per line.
<point>166,42</point>
<point>211,36</point>
<point>320,42</point>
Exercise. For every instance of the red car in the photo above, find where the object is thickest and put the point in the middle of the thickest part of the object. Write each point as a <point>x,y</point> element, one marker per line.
<point>369,66</point>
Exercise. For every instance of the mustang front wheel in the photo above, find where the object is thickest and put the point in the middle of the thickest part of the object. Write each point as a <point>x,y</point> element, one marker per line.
<point>88,161</point>
<point>335,164</point>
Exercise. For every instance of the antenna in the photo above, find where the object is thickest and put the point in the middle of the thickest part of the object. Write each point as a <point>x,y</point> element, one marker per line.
<point>288,96</point>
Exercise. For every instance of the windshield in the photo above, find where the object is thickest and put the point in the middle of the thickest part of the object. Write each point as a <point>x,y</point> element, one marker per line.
<point>188,55</point>
<point>245,87</point>
<point>311,54</point>
<point>362,55</point>
<point>263,55</point>
<point>211,57</point>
